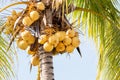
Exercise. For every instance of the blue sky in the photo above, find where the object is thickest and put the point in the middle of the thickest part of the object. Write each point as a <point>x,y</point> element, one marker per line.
<point>66,67</point>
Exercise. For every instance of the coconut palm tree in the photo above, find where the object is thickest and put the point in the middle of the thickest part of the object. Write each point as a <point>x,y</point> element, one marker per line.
<point>99,17</point>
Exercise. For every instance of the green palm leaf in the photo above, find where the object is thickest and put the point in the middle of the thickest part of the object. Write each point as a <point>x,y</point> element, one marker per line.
<point>102,21</point>
<point>7,71</point>
<point>6,61</point>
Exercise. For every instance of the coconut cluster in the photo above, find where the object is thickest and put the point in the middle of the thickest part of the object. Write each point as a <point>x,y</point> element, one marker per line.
<point>24,41</point>
<point>60,42</point>
<point>27,19</point>
<point>25,38</point>
<point>9,25</point>
<point>33,15</point>
<point>56,38</point>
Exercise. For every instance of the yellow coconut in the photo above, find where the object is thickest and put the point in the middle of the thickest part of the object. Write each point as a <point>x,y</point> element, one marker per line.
<point>53,40</point>
<point>18,39</point>
<point>61,35</point>
<point>70,33</point>
<point>29,51</point>
<point>26,35</point>
<point>67,40</point>
<point>48,47</point>
<point>31,40</point>
<point>69,48</point>
<point>43,39</point>
<point>35,60</point>
<point>60,47</point>
<point>34,15</point>
<point>40,6</point>
<point>27,21</point>
<point>22,44</point>
<point>75,41</point>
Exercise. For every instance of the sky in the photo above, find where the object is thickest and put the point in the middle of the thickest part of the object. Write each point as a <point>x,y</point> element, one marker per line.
<point>66,67</point>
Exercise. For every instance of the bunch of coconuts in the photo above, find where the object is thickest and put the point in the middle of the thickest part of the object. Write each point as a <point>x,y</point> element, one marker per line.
<point>33,15</point>
<point>60,42</point>
<point>27,20</point>
<point>57,42</point>
<point>26,38</point>
<point>24,41</point>
<point>9,25</point>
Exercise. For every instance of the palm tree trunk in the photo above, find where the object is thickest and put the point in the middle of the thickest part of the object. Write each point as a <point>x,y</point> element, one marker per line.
<point>46,58</point>
<point>46,64</point>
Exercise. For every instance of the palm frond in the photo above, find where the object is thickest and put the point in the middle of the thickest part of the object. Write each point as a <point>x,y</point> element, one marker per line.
<point>6,61</point>
<point>110,60</point>
<point>101,18</point>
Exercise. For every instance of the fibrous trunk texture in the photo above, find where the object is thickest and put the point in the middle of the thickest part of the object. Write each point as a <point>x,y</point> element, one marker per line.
<point>46,58</point>
<point>46,65</point>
